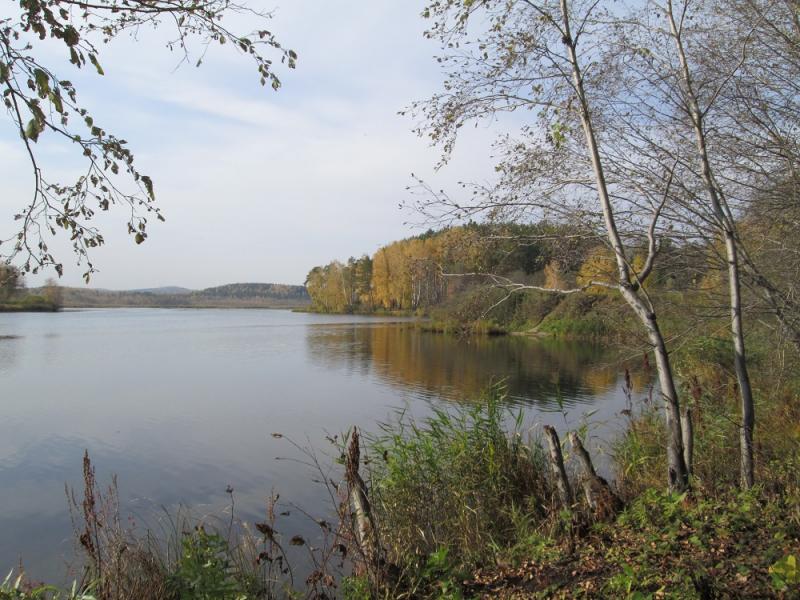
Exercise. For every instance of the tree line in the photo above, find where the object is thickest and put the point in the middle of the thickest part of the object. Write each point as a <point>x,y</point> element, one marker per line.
<point>411,274</point>
<point>429,270</point>
<point>234,295</point>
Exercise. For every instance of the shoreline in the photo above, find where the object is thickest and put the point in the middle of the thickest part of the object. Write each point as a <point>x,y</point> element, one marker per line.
<point>183,306</point>
<point>29,309</point>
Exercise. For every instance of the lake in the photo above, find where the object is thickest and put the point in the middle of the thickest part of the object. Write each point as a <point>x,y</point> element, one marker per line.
<point>181,404</point>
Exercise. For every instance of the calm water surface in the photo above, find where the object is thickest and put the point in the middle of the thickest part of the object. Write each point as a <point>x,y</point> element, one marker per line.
<point>182,403</point>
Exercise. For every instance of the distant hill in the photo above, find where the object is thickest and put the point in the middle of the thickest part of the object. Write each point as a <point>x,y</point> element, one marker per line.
<point>276,291</point>
<point>233,295</point>
<point>170,289</point>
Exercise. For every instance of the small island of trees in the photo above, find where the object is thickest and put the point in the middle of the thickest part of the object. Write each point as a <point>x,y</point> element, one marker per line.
<point>14,297</point>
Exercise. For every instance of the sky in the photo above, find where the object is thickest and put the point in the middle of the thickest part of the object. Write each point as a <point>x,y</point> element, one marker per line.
<point>258,186</point>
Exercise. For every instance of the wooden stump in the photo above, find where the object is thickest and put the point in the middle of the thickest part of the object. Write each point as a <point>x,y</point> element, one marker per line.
<point>557,465</point>
<point>366,532</point>
<point>605,504</point>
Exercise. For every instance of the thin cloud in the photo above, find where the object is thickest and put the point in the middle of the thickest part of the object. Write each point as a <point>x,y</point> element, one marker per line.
<point>257,185</point>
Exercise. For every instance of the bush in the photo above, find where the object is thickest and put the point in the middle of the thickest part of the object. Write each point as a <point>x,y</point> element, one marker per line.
<point>587,316</point>
<point>479,327</point>
<point>204,571</point>
<point>453,486</point>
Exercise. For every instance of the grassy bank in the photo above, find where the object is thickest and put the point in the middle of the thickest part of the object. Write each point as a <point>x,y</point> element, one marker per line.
<point>487,311</point>
<point>377,312</point>
<point>30,303</point>
<point>594,317</point>
<point>479,327</point>
<point>490,311</point>
<point>470,510</point>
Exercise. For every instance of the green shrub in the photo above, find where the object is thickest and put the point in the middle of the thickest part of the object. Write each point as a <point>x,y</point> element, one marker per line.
<point>453,484</point>
<point>708,350</point>
<point>589,326</point>
<point>588,316</point>
<point>785,573</point>
<point>204,571</point>
<point>680,546</point>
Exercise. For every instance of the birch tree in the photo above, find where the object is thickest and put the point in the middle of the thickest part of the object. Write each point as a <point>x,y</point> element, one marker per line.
<point>764,100</point>
<point>725,222</point>
<point>672,109</point>
<point>549,61</point>
<point>711,86</point>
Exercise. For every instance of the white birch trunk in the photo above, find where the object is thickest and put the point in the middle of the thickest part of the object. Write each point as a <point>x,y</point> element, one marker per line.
<point>727,233</point>
<point>677,475</point>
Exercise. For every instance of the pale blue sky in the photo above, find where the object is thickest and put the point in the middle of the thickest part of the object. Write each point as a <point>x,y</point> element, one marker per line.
<point>256,185</point>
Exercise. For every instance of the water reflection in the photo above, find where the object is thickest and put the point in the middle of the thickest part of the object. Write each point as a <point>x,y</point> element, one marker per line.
<point>181,403</point>
<point>542,373</point>
<point>9,347</point>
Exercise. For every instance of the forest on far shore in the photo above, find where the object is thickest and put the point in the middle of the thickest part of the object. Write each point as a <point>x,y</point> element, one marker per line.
<point>522,278</point>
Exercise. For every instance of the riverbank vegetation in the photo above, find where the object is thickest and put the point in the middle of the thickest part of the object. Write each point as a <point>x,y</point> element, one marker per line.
<point>15,298</point>
<point>497,278</point>
<point>439,269</point>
